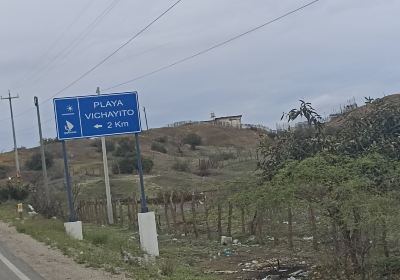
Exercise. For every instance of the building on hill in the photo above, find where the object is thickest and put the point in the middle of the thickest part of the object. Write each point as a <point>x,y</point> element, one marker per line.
<point>228,121</point>
<point>232,121</point>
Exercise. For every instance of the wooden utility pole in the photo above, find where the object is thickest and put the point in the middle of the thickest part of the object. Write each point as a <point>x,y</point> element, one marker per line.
<point>110,214</point>
<point>9,98</point>
<point>145,117</point>
<point>43,155</point>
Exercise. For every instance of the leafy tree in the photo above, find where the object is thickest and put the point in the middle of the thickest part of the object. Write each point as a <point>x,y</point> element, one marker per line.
<point>193,140</point>
<point>126,147</point>
<point>128,165</point>
<point>35,161</point>
<point>158,147</point>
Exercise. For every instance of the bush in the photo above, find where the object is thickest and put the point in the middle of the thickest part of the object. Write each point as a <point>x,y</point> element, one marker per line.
<point>222,156</point>
<point>181,165</point>
<point>162,139</point>
<point>193,140</point>
<point>204,169</point>
<point>128,165</point>
<point>110,145</point>
<point>158,147</point>
<point>35,162</point>
<point>50,140</point>
<point>388,266</point>
<point>3,172</point>
<point>14,190</point>
<point>126,147</point>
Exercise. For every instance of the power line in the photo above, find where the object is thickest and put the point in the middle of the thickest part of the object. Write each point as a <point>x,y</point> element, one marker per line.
<point>79,39</point>
<point>114,52</point>
<point>36,69</point>
<point>214,46</point>
<point>75,43</point>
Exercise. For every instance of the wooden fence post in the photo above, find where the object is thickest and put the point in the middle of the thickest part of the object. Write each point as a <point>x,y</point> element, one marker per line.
<point>96,209</point>
<point>219,219</point>
<point>183,213</point>
<point>207,215</point>
<point>242,214</point>
<point>121,212</point>
<point>135,211</point>
<point>230,210</point>
<point>166,210</point>
<point>114,207</point>
<point>130,216</point>
<point>173,209</point>
<point>196,233</point>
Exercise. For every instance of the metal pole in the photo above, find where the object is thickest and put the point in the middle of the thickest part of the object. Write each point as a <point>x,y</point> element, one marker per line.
<point>145,117</point>
<point>106,177</point>
<point>143,203</point>
<point>13,131</point>
<point>72,216</point>
<point>44,167</point>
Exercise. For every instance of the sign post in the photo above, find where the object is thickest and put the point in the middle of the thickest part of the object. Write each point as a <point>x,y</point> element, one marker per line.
<point>143,203</point>
<point>71,208</point>
<point>106,115</point>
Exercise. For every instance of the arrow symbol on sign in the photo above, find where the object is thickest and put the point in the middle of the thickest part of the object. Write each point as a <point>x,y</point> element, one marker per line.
<point>97,126</point>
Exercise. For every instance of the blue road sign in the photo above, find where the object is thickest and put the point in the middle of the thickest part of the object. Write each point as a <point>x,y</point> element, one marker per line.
<point>97,115</point>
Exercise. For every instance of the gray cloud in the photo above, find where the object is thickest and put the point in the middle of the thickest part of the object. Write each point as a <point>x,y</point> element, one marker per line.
<point>326,54</point>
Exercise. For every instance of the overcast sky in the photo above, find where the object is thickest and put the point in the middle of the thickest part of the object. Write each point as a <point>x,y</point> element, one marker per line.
<point>327,53</point>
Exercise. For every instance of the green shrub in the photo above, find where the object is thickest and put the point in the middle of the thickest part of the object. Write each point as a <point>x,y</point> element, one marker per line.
<point>35,161</point>
<point>110,145</point>
<point>50,140</point>
<point>14,190</point>
<point>222,156</point>
<point>158,147</point>
<point>193,140</point>
<point>388,266</point>
<point>3,172</point>
<point>126,147</point>
<point>181,165</point>
<point>128,165</point>
<point>162,139</point>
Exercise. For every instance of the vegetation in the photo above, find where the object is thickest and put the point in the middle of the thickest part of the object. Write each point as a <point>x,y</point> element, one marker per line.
<point>126,147</point>
<point>127,165</point>
<point>110,145</point>
<point>158,147</point>
<point>14,189</point>
<point>162,139</point>
<point>193,140</point>
<point>35,161</point>
<point>98,250</point>
<point>181,165</point>
<point>349,175</point>
<point>3,172</point>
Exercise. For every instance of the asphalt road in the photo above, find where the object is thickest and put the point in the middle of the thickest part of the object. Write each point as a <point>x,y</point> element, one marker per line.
<point>13,268</point>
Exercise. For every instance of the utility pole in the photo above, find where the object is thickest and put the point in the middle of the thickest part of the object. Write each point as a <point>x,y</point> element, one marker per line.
<point>106,177</point>
<point>44,167</point>
<point>145,117</point>
<point>13,131</point>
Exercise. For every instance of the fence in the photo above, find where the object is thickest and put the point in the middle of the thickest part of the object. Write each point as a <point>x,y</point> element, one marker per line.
<point>207,213</point>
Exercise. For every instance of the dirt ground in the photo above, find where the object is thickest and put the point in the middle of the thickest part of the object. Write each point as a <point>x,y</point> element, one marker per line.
<point>51,264</point>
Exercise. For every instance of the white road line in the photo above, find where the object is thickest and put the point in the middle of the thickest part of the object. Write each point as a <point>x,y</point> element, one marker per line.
<point>13,268</point>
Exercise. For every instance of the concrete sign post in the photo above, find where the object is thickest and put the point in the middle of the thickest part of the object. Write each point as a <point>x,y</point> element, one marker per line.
<point>106,115</point>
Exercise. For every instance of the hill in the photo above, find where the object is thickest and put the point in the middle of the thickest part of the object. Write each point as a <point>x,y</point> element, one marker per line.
<point>225,154</point>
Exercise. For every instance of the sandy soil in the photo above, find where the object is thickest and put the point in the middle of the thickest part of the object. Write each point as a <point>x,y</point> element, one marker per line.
<point>49,263</point>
